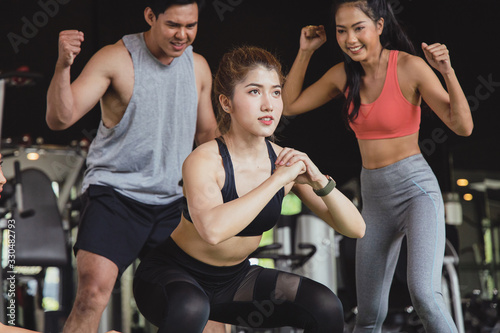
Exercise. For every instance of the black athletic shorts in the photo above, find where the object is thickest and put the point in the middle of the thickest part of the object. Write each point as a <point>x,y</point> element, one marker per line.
<point>122,229</point>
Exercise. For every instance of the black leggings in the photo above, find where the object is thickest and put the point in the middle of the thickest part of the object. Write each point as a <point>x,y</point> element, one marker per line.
<point>177,293</point>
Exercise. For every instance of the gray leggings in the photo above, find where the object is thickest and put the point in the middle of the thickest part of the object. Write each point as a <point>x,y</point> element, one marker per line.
<point>401,199</point>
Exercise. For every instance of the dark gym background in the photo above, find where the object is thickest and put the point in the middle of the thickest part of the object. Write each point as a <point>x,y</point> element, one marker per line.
<point>470,29</point>
<point>29,34</point>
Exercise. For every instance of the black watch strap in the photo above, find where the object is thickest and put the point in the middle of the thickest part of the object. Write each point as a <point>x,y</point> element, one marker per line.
<point>327,189</point>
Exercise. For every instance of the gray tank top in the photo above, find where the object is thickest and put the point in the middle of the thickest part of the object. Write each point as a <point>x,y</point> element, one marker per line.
<point>141,157</point>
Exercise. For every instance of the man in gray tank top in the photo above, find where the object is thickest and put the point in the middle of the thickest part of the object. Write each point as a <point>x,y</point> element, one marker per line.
<point>154,93</point>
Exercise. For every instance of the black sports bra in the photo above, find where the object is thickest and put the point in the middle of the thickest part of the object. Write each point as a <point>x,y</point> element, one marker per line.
<point>268,216</point>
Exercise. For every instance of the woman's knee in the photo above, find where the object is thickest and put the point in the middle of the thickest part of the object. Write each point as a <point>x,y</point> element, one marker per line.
<point>187,301</point>
<point>172,305</point>
<point>332,312</point>
<point>324,305</point>
<point>425,304</point>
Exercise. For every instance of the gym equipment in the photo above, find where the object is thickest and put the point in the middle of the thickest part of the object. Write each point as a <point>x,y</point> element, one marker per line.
<point>42,237</point>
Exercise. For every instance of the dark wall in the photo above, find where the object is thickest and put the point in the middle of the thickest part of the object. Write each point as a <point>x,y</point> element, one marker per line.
<point>29,34</point>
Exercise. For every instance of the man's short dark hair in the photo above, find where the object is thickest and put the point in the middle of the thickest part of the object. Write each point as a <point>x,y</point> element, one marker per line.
<point>160,6</point>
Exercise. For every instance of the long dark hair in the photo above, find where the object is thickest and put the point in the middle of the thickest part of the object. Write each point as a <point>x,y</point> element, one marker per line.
<point>393,37</point>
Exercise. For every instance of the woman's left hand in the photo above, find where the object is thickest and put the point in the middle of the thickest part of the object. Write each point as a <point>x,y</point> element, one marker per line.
<point>438,57</point>
<point>289,156</point>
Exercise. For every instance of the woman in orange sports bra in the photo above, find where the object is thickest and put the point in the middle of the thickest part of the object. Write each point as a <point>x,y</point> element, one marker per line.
<point>383,83</point>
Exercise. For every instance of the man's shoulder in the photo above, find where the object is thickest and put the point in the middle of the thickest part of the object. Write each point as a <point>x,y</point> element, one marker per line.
<point>200,64</point>
<point>110,50</point>
<point>117,48</point>
<point>113,54</point>
<point>199,58</point>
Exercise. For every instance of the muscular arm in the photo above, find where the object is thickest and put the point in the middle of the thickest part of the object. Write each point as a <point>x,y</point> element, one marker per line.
<point>215,220</point>
<point>68,102</point>
<point>334,208</point>
<point>319,93</point>
<point>296,100</point>
<point>206,125</point>
<point>451,106</point>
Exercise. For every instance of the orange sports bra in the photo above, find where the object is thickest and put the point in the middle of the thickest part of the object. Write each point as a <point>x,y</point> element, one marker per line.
<point>391,115</point>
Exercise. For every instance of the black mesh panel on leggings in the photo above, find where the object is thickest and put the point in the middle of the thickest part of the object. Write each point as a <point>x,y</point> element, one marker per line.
<point>179,294</point>
<point>269,298</point>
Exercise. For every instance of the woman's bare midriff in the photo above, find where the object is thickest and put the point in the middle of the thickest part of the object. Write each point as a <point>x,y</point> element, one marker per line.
<point>228,253</point>
<point>379,153</point>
